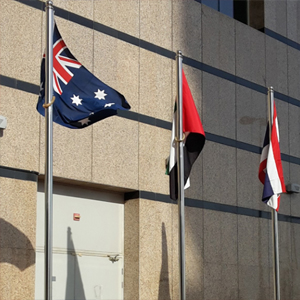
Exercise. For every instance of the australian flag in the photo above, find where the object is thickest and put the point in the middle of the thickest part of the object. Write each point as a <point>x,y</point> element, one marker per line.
<point>81,99</point>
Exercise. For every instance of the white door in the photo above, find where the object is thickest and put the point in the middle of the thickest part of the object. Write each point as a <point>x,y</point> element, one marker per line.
<point>88,244</point>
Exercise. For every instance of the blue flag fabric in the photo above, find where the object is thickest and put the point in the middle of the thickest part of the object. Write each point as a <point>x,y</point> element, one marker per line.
<point>81,99</point>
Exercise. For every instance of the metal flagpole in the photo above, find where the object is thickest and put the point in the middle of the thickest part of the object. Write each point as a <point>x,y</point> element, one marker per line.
<point>48,150</point>
<point>274,212</point>
<point>180,177</point>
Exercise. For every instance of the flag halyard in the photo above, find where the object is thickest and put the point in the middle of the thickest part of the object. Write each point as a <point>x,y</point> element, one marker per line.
<point>81,99</point>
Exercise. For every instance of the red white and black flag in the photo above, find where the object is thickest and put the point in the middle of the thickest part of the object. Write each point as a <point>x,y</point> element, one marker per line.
<point>194,139</point>
<point>270,167</point>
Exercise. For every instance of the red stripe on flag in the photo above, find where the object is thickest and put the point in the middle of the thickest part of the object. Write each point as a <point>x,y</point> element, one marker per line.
<point>276,150</point>
<point>190,118</point>
<point>261,172</point>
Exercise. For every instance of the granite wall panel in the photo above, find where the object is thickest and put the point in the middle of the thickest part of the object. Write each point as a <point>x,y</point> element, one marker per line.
<point>249,187</point>
<point>131,250</point>
<point>294,271</point>
<point>251,116</point>
<point>293,72</point>
<point>218,52</point>
<point>219,110</point>
<point>185,36</point>
<point>115,153</point>
<point>154,147</point>
<point>20,41</point>
<point>19,142</point>
<point>17,238</point>
<point>155,22</point>
<point>276,65</point>
<point>294,199</point>
<point>276,16</point>
<point>219,177</point>
<point>155,87</point>
<point>250,54</point>
<point>156,245</point>
<point>293,132</point>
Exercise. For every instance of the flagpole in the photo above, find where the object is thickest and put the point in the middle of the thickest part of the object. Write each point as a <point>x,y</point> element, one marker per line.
<point>49,149</point>
<point>180,173</point>
<point>273,211</point>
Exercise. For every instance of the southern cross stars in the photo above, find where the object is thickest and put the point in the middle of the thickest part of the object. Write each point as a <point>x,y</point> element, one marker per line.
<point>85,121</point>
<point>100,95</point>
<point>76,100</point>
<point>109,104</point>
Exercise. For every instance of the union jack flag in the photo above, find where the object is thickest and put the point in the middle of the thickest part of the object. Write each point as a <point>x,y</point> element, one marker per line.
<point>270,168</point>
<point>81,99</point>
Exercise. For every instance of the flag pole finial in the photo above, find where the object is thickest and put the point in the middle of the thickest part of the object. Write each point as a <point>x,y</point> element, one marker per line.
<point>179,53</point>
<point>49,3</point>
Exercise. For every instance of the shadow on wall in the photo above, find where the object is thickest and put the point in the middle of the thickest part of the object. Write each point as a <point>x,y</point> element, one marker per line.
<point>164,285</point>
<point>16,248</point>
<point>246,120</point>
<point>74,284</point>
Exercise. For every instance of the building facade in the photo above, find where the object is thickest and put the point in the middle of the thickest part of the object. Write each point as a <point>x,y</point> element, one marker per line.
<point>114,170</point>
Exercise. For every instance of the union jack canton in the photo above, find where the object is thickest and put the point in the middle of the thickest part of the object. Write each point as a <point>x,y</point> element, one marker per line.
<point>81,99</point>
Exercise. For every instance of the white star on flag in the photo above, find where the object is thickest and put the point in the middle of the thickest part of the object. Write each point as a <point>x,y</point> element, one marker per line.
<point>76,100</point>
<point>85,121</point>
<point>41,88</point>
<point>100,95</point>
<point>109,104</point>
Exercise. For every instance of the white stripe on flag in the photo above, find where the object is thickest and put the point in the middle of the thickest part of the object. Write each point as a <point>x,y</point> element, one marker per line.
<point>172,157</point>
<point>273,173</point>
<point>264,153</point>
<point>274,179</point>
